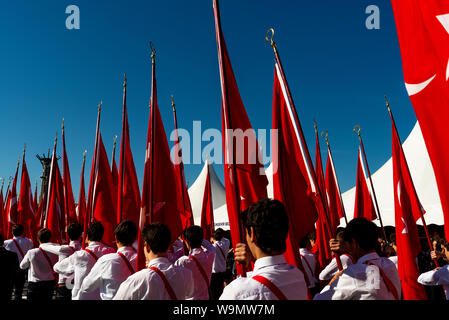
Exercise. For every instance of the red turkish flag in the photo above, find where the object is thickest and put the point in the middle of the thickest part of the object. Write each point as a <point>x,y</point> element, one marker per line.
<point>364,205</point>
<point>423,32</point>
<point>81,207</point>
<point>333,194</point>
<point>408,209</point>
<point>2,213</point>
<point>12,205</point>
<point>35,201</point>
<point>207,212</point>
<point>69,202</point>
<point>293,183</point>
<point>25,207</point>
<point>128,204</point>
<point>244,174</point>
<point>159,192</point>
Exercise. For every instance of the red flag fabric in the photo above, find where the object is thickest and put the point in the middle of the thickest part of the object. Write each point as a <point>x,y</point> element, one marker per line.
<point>364,206</point>
<point>35,200</point>
<point>40,212</point>
<point>184,199</point>
<point>244,175</point>
<point>81,207</point>
<point>408,209</point>
<point>128,204</point>
<point>114,172</point>
<point>333,194</point>
<point>103,206</point>
<point>2,213</point>
<point>25,207</point>
<point>322,250</point>
<point>54,217</point>
<point>12,205</point>
<point>292,177</point>
<point>423,33</point>
<point>5,211</point>
<point>207,212</point>
<point>69,202</point>
<point>159,192</point>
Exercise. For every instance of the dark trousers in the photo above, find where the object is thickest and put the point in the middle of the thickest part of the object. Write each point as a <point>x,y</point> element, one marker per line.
<point>62,293</point>
<point>41,291</point>
<point>217,281</point>
<point>19,282</point>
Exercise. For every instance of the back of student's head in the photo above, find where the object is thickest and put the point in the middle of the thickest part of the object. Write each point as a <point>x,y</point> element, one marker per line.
<point>194,236</point>
<point>340,236</point>
<point>126,232</point>
<point>228,236</point>
<point>269,220</point>
<point>95,231</point>
<point>219,234</point>
<point>305,241</point>
<point>393,238</point>
<point>17,230</point>
<point>44,235</point>
<point>363,231</point>
<point>157,236</point>
<point>2,240</point>
<point>74,231</point>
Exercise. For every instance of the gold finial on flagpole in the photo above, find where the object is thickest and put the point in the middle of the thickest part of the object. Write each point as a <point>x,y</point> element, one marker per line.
<point>325,134</point>
<point>84,155</point>
<point>100,105</point>
<point>115,140</point>
<point>124,81</point>
<point>357,130</point>
<point>173,103</point>
<point>388,104</point>
<point>315,125</point>
<point>153,52</point>
<point>62,125</point>
<point>270,38</point>
<point>24,149</point>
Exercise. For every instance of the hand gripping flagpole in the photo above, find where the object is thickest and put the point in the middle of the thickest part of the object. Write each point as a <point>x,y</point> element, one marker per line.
<point>357,129</point>
<point>421,213</point>
<point>270,38</point>
<point>325,135</point>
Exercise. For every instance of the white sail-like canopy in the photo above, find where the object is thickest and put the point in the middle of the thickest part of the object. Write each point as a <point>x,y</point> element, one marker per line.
<point>196,194</point>
<point>423,177</point>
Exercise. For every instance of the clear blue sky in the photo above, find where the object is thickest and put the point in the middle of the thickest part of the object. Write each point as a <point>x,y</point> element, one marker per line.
<point>337,69</point>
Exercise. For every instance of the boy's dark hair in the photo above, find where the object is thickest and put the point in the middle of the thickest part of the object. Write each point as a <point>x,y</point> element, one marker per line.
<point>17,230</point>
<point>95,231</point>
<point>157,236</point>
<point>228,236</point>
<point>340,235</point>
<point>269,220</point>
<point>74,231</point>
<point>219,234</point>
<point>363,231</point>
<point>44,235</point>
<point>393,238</point>
<point>126,232</point>
<point>305,241</point>
<point>2,240</point>
<point>194,236</point>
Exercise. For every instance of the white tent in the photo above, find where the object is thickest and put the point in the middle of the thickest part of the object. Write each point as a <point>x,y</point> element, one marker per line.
<point>196,194</point>
<point>423,177</point>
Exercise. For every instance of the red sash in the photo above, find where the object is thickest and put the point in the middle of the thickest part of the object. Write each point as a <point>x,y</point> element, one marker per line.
<point>91,253</point>
<point>128,264</point>
<point>203,273</point>
<point>48,260</point>
<point>168,287</point>
<point>270,285</point>
<point>18,247</point>
<point>388,283</point>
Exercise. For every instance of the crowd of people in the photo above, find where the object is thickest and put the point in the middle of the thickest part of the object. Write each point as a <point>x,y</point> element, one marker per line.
<point>364,264</point>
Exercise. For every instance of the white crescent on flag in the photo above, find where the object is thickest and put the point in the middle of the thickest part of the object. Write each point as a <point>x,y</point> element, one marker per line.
<point>444,20</point>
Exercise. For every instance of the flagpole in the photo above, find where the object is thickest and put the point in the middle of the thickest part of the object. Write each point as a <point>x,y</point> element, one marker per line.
<point>50,179</point>
<point>153,129</point>
<point>84,219</point>
<point>64,187</point>
<point>414,189</point>
<point>114,139</point>
<point>122,158</point>
<point>325,134</point>
<point>301,133</point>
<point>230,167</point>
<point>357,130</point>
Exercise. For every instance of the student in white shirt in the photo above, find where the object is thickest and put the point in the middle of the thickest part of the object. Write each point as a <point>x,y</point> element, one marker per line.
<point>74,232</point>
<point>113,268</point>
<point>81,262</point>
<point>440,275</point>
<point>20,246</point>
<point>199,261</point>
<point>332,268</point>
<point>309,262</point>
<point>371,277</point>
<point>218,277</point>
<point>41,279</point>
<point>161,280</point>
<point>266,225</point>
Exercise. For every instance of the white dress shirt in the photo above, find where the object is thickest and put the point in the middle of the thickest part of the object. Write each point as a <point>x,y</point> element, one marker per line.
<point>24,243</point>
<point>436,278</point>
<point>332,268</point>
<point>148,285</point>
<point>176,252</point>
<point>287,278</point>
<point>364,282</point>
<point>205,257</point>
<point>219,264</point>
<point>38,267</point>
<point>109,272</point>
<point>80,263</point>
<point>62,251</point>
<point>308,260</point>
<point>395,260</point>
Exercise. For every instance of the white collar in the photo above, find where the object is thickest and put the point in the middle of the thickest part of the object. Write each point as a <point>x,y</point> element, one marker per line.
<point>269,261</point>
<point>368,257</point>
<point>160,260</point>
